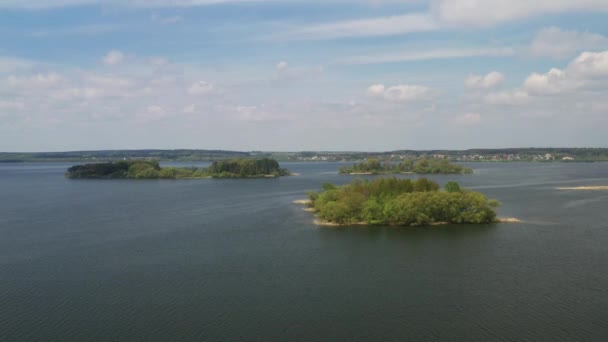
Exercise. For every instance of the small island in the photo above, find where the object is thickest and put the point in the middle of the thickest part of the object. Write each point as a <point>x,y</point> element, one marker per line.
<point>231,168</point>
<point>400,202</point>
<point>420,166</point>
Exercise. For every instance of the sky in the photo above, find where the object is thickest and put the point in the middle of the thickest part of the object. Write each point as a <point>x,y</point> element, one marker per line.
<point>294,75</point>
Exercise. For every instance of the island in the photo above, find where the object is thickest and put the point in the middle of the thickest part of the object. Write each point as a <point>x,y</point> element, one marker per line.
<point>419,166</point>
<point>401,202</point>
<point>138,169</point>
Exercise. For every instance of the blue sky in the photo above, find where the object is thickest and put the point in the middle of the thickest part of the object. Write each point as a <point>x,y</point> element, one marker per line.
<point>302,75</point>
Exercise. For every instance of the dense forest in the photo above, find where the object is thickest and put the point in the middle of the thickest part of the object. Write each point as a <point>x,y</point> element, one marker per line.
<point>420,166</point>
<point>233,168</point>
<point>401,202</point>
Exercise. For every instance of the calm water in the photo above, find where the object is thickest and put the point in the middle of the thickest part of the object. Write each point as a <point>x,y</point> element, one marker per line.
<point>235,260</point>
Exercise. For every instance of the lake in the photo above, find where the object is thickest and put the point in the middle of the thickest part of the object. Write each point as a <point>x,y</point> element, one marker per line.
<point>235,260</point>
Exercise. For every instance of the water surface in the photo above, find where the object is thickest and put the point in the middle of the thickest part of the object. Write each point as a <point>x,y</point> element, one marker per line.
<point>235,260</point>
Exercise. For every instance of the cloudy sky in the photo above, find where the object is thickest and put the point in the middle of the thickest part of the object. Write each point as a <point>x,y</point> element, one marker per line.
<point>302,74</point>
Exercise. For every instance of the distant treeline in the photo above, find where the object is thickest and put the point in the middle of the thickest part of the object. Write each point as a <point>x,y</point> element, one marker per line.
<point>234,168</point>
<point>401,202</point>
<point>115,155</point>
<point>420,166</point>
<point>518,154</point>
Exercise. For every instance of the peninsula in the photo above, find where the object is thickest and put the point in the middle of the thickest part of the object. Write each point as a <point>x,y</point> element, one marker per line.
<point>231,168</point>
<point>420,166</point>
<point>400,202</point>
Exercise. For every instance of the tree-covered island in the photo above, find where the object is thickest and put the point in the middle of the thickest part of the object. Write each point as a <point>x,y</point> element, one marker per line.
<point>400,202</point>
<point>420,166</point>
<point>231,168</point>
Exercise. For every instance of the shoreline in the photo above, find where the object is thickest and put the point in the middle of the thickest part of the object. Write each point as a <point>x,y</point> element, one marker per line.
<point>323,223</point>
<point>585,188</point>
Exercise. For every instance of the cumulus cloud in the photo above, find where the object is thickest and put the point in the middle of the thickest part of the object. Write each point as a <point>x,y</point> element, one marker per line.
<point>491,80</point>
<point>586,73</point>
<point>400,93</point>
<point>581,72</point>
<point>553,82</point>
<point>590,65</point>
<point>558,43</point>
<point>113,57</point>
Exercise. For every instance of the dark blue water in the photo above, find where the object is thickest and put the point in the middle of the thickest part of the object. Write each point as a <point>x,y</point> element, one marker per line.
<point>235,260</point>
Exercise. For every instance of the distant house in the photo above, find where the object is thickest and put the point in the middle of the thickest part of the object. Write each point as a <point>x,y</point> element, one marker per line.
<point>567,158</point>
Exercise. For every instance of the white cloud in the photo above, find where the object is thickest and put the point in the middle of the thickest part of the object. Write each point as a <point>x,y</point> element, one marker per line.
<point>282,66</point>
<point>587,73</point>
<point>113,57</point>
<point>590,65</point>
<point>491,80</point>
<point>384,26</point>
<point>586,70</point>
<point>408,56</point>
<point>553,82</point>
<point>491,12</point>
<point>558,43</point>
<point>200,88</point>
<point>376,90</point>
<point>400,93</point>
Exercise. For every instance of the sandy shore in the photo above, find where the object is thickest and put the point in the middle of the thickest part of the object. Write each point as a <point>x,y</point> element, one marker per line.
<point>303,202</point>
<point>508,220</point>
<point>360,173</point>
<point>323,223</point>
<point>598,187</point>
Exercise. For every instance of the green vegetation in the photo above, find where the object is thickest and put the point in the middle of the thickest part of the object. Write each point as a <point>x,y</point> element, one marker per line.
<point>420,166</point>
<point>241,168</point>
<point>233,168</point>
<point>401,202</point>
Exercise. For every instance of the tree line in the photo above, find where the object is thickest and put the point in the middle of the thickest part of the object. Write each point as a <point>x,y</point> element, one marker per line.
<point>233,168</point>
